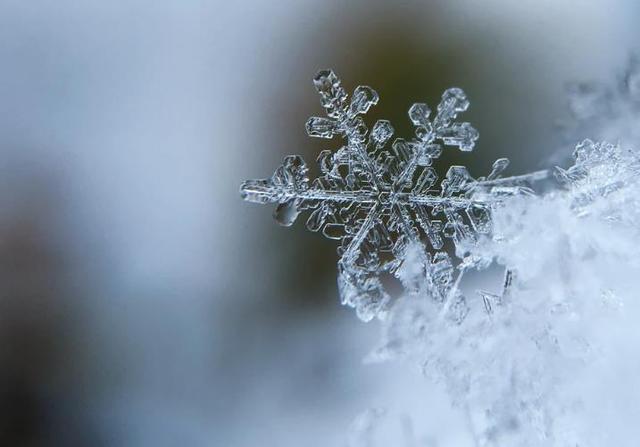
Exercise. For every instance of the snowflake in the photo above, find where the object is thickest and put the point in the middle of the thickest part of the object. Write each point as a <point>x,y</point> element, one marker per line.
<point>381,201</point>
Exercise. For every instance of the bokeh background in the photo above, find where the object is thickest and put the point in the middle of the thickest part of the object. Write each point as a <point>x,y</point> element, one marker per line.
<point>141,302</point>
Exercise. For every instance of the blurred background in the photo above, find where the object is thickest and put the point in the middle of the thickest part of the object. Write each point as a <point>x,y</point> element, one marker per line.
<point>142,303</point>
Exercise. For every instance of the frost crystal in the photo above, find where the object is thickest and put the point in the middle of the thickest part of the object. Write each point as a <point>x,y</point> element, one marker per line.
<point>382,201</point>
<point>600,170</point>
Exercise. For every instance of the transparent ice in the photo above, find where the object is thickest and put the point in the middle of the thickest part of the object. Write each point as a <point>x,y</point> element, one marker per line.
<point>381,199</point>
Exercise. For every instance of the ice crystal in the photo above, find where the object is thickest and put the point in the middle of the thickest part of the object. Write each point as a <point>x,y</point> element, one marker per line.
<point>381,199</point>
<point>600,170</point>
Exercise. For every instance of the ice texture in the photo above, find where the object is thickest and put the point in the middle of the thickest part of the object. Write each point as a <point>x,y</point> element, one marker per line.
<point>381,200</point>
<point>550,359</point>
